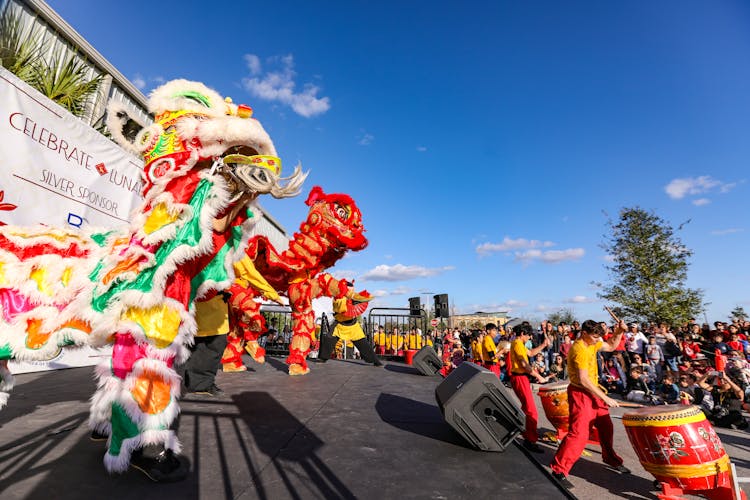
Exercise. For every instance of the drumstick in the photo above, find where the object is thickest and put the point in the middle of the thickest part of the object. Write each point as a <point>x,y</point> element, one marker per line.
<point>614,316</point>
<point>624,404</point>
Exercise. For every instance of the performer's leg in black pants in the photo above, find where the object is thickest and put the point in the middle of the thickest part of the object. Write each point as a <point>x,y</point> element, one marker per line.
<point>327,345</point>
<point>204,361</point>
<point>367,352</point>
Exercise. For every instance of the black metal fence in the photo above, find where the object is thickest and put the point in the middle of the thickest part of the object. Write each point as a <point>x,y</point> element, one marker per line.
<point>395,319</point>
<point>279,324</point>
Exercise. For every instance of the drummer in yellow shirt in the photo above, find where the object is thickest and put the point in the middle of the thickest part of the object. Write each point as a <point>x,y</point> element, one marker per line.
<point>413,340</point>
<point>476,348</point>
<point>589,404</point>
<point>489,349</point>
<point>395,342</point>
<point>380,340</point>
<point>521,373</point>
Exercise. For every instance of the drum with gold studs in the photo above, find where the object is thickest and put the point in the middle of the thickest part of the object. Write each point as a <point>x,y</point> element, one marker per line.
<point>679,447</point>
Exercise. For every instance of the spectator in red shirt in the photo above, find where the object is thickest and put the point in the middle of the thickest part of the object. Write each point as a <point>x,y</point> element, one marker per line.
<point>690,347</point>
<point>734,342</point>
<point>565,346</point>
<point>734,329</point>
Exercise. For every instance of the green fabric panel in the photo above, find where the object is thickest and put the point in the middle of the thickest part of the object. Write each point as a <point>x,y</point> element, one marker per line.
<point>6,352</point>
<point>215,270</point>
<point>122,428</point>
<point>100,238</point>
<point>188,235</point>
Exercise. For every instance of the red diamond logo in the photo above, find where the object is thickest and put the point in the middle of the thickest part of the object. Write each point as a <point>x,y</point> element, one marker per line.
<point>101,168</point>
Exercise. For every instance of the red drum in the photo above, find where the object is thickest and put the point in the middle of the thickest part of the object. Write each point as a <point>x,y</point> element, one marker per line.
<point>555,405</point>
<point>679,447</point>
<point>409,358</point>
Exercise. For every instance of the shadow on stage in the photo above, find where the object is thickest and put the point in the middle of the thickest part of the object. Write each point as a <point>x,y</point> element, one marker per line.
<point>291,447</point>
<point>416,417</point>
<point>402,369</point>
<point>246,446</point>
<point>44,390</point>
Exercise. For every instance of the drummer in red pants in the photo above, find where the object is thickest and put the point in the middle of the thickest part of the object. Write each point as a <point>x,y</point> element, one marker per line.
<point>521,373</point>
<point>588,402</point>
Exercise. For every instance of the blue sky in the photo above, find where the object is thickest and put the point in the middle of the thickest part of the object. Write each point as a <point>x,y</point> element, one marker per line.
<point>485,142</point>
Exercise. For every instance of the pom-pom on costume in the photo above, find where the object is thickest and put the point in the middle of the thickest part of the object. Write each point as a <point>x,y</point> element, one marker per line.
<point>333,227</point>
<point>205,161</point>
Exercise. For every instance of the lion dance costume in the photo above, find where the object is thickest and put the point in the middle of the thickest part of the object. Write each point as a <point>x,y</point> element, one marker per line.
<point>205,161</point>
<point>333,227</point>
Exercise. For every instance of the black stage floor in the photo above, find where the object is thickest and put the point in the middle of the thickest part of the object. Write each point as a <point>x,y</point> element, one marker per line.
<point>346,430</point>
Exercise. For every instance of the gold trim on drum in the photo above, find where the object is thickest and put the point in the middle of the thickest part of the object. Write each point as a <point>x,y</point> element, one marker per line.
<point>682,416</point>
<point>707,469</point>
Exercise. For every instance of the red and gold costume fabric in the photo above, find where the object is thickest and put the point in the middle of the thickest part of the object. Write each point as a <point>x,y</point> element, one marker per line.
<point>333,227</point>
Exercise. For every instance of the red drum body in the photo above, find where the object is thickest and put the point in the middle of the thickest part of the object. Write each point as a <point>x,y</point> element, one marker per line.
<point>679,447</point>
<point>555,405</point>
<point>409,357</point>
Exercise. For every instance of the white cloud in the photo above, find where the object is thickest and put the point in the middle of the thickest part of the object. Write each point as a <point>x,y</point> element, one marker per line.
<point>701,201</point>
<point>550,256</point>
<point>722,232</point>
<point>380,293</point>
<point>139,82</point>
<point>679,188</point>
<point>510,244</point>
<point>344,274</point>
<point>253,63</point>
<point>280,86</point>
<point>421,149</point>
<point>580,299</point>
<point>401,290</point>
<point>366,139</point>
<point>399,272</point>
<point>507,306</point>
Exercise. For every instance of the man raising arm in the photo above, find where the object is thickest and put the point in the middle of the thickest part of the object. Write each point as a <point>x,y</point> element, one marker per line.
<point>588,403</point>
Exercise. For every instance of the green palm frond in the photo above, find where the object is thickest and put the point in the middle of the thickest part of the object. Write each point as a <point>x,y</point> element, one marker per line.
<point>66,81</point>
<point>21,48</point>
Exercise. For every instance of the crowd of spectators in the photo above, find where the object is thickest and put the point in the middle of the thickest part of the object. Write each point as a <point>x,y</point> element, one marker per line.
<point>654,363</point>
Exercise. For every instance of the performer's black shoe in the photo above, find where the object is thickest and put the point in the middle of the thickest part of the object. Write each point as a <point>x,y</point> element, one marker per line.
<point>97,436</point>
<point>211,391</point>
<point>163,467</point>
<point>378,363</point>
<point>621,469</point>
<point>532,446</point>
<point>562,480</point>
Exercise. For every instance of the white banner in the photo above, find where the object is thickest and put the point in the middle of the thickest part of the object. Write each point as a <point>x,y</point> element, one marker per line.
<point>56,170</point>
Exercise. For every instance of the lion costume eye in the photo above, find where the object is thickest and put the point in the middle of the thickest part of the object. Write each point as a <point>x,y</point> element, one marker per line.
<point>342,212</point>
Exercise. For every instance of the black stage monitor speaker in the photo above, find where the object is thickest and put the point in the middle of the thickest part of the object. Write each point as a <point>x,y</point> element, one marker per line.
<point>415,306</point>
<point>479,407</point>
<point>426,361</point>
<point>441,306</point>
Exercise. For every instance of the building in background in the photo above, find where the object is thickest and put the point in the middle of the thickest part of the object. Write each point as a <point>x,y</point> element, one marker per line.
<point>61,39</point>
<point>478,319</point>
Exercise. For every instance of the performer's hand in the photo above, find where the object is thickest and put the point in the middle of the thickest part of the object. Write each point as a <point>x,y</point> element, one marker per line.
<point>621,327</point>
<point>611,402</point>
